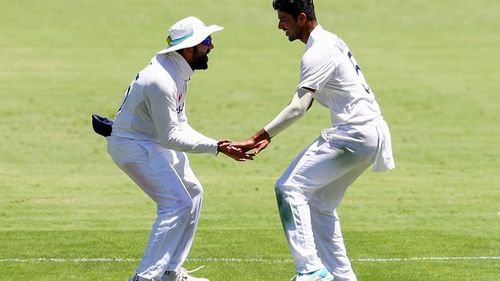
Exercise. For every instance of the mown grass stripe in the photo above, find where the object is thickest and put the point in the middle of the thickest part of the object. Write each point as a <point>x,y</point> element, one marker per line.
<point>239,260</point>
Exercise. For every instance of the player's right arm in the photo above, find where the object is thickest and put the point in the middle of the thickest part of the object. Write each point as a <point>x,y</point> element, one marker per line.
<point>315,71</point>
<point>300,103</point>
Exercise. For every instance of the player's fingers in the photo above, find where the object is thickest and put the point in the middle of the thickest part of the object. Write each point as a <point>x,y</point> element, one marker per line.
<point>224,143</point>
<point>238,154</point>
<point>243,155</point>
<point>260,146</point>
<point>247,156</point>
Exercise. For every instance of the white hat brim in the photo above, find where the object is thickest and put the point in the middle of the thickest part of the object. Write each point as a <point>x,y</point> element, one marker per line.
<point>194,39</point>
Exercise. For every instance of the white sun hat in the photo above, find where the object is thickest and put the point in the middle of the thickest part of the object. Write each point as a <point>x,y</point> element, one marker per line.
<point>188,32</point>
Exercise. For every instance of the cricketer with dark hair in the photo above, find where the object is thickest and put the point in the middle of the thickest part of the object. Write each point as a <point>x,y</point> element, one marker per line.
<point>311,189</point>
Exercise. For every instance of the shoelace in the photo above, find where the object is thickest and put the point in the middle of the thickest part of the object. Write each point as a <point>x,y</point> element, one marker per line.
<point>184,274</point>
<point>194,270</point>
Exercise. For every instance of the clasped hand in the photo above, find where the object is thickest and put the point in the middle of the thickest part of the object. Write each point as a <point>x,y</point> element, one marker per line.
<point>246,149</point>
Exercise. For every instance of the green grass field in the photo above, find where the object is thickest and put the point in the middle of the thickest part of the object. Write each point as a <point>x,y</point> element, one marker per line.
<point>67,213</point>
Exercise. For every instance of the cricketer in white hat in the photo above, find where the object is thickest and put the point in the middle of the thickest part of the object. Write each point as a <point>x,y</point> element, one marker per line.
<point>149,141</point>
<point>188,32</point>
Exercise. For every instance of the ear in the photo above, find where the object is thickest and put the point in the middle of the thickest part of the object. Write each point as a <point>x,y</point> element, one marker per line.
<point>188,54</point>
<point>302,19</point>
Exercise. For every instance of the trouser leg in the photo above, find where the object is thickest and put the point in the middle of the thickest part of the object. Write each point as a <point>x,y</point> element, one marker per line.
<point>296,219</point>
<point>167,237</point>
<point>165,176</point>
<point>195,191</point>
<point>326,225</point>
<point>315,169</point>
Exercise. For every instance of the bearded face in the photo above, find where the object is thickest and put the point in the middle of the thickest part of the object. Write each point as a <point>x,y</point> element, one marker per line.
<point>200,56</point>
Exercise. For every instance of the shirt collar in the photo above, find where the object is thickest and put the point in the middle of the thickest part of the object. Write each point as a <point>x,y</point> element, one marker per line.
<point>184,68</point>
<point>315,34</point>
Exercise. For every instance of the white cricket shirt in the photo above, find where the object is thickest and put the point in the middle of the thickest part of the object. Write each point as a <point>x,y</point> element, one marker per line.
<point>154,107</point>
<point>329,67</point>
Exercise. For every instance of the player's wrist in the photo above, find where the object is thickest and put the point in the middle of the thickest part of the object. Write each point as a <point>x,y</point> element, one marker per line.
<point>220,146</point>
<point>260,136</point>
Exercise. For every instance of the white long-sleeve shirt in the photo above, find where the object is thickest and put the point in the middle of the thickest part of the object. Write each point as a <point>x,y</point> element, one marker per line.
<point>154,107</point>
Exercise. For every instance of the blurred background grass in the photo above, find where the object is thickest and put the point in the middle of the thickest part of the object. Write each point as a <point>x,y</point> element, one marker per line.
<point>433,67</point>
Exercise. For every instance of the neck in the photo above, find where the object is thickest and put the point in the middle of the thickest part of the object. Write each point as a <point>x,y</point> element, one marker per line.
<point>307,30</point>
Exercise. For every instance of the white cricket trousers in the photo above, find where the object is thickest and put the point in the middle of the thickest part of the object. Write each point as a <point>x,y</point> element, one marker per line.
<point>311,189</point>
<point>166,177</point>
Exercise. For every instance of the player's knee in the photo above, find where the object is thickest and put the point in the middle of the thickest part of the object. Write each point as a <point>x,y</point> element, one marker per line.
<point>279,186</point>
<point>175,206</point>
<point>197,192</point>
<point>180,213</point>
<point>190,203</point>
<point>284,186</point>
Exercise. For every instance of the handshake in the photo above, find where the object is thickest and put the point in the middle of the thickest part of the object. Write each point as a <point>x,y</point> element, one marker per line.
<point>246,149</point>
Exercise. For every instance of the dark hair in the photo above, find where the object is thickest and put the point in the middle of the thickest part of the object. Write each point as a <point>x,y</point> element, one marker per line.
<point>295,7</point>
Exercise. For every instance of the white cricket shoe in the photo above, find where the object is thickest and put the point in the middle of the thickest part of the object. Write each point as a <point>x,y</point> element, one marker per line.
<point>318,275</point>
<point>181,275</point>
<point>138,278</point>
